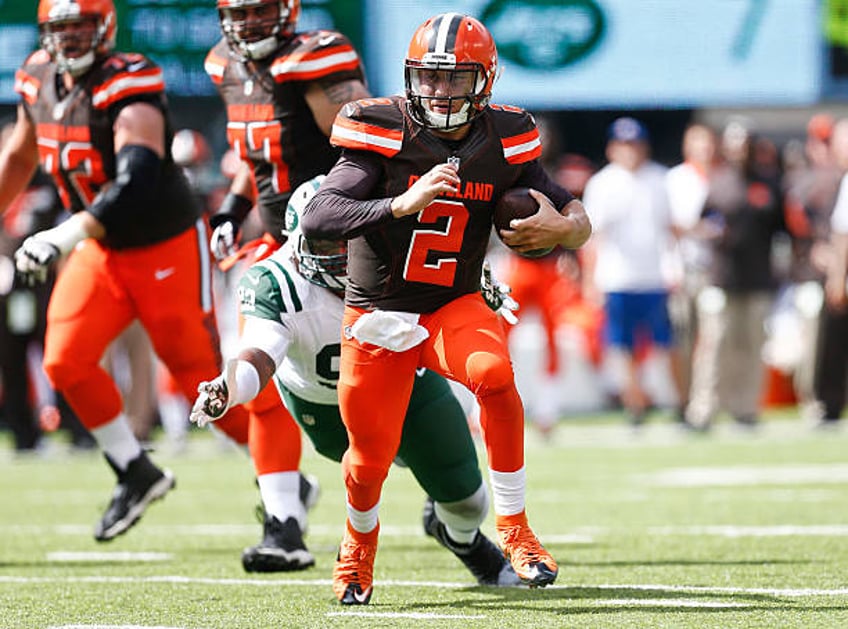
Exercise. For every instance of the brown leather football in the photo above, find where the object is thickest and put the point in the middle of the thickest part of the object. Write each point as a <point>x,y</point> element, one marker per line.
<point>516,203</point>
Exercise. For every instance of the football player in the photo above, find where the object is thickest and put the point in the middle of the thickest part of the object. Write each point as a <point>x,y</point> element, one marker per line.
<point>414,192</point>
<point>282,89</point>
<point>97,121</point>
<point>293,310</point>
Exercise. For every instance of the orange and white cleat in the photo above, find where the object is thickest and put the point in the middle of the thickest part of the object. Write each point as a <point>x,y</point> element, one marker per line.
<point>532,563</point>
<point>353,573</point>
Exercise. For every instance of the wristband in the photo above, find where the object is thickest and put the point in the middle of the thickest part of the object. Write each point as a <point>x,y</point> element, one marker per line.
<point>233,208</point>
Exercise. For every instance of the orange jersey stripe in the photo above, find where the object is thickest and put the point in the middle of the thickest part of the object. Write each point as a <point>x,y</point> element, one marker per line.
<point>127,84</point>
<point>350,134</point>
<point>307,66</point>
<point>521,148</point>
<point>27,86</point>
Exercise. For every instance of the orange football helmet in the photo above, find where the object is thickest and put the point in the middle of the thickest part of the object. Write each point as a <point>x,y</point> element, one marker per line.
<point>458,44</point>
<point>67,48</point>
<point>258,37</point>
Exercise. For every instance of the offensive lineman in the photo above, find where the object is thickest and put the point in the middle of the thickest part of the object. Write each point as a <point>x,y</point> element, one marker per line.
<point>135,244</point>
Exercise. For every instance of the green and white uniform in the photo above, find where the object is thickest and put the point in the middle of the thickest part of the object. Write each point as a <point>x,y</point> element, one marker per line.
<point>298,324</point>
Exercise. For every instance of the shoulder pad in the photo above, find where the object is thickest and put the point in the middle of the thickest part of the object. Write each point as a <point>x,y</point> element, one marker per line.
<point>314,55</point>
<point>28,78</point>
<point>370,124</point>
<point>216,61</point>
<point>39,57</point>
<point>124,75</point>
<point>259,293</point>
<point>518,133</point>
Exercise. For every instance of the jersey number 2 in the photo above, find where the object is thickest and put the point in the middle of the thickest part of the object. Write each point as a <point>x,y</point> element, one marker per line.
<point>431,238</point>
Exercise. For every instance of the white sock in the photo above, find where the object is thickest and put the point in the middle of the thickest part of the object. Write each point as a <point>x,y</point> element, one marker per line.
<point>463,518</point>
<point>117,440</point>
<point>508,490</point>
<point>280,493</point>
<point>363,521</point>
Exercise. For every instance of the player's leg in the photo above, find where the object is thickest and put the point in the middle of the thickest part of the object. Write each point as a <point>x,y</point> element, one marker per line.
<point>88,309</point>
<point>275,447</point>
<point>374,388</point>
<point>473,351</point>
<point>171,285</point>
<point>437,447</point>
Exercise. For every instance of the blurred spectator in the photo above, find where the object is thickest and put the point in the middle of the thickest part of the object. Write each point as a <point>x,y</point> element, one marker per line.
<point>832,366</point>
<point>743,213</point>
<point>628,206</point>
<point>687,185</point>
<point>811,197</point>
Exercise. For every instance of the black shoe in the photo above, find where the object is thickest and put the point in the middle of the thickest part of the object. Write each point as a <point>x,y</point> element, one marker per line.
<point>748,422</point>
<point>482,558</point>
<point>281,549</point>
<point>139,485</point>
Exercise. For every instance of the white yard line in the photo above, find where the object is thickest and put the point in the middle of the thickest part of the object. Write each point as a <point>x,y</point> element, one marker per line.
<point>99,557</point>
<point>409,615</point>
<point>732,476</point>
<point>784,530</point>
<point>636,587</point>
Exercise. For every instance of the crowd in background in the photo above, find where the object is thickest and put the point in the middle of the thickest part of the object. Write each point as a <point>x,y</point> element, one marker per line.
<point>733,243</point>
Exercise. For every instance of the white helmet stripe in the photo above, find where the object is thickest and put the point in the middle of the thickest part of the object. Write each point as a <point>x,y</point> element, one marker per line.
<point>446,34</point>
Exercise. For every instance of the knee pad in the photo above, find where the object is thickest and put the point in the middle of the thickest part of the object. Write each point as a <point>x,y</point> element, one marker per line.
<point>466,514</point>
<point>490,373</point>
<point>64,375</point>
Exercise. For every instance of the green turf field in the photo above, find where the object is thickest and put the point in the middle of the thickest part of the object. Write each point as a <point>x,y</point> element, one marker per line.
<point>659,529</point>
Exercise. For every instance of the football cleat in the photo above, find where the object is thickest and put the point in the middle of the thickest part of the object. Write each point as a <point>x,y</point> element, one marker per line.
<point>281,549</point>
<point>483,559</point>
<point>353,573</point>
<point>139,485</point>
<point>531,562</point>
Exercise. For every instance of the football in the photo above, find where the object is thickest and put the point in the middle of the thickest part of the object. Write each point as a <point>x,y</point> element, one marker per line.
<point>516,203</point>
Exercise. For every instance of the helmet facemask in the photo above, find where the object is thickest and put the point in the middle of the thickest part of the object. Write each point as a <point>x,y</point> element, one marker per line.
<point>460,82</point>
<point>256,38</point>
<point>73,49</point>
<point>322,262</point>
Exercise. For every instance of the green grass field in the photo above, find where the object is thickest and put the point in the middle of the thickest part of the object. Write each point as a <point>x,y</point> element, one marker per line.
<point>659,529</point>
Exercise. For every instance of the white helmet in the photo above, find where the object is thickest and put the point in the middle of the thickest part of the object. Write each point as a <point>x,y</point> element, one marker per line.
<point>322,262</point>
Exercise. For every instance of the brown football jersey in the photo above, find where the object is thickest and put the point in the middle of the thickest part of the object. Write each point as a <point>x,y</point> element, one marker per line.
<point>419,263</point>
<point>269,122</point>
<point>76,139</point>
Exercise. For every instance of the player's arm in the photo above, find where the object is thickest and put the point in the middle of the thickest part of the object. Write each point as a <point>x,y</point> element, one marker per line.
<point>18,159</point>
<point>227,220</point>
<point>344,207</point>
<point>326,98</point>
<point>241,381</point>
<point>568,226</point>
<point>263,343</point>
<point>139,140</point>
<point>836,290</point>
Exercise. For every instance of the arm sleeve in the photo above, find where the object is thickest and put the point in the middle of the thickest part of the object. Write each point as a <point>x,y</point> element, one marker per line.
<point>534,176</point>
<point>342,208</point>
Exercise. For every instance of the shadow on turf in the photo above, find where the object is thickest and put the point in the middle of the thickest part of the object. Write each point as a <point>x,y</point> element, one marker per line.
<point>693,562</point>
<point>616,600</point>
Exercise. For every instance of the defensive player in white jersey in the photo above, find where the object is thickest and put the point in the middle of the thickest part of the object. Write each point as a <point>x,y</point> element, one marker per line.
<point>292,306</point>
